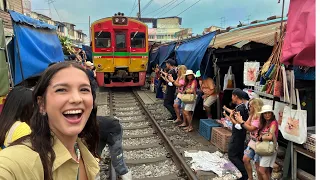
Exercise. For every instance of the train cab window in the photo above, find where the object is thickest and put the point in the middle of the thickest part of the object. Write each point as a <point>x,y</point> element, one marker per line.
<point>102,39</point>
<point>138,39</point>
<point>121,40</point>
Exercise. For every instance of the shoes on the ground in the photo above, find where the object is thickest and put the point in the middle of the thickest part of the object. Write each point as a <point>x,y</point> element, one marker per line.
<point>171,119</point>
<point>176,121</point>
<point>127,176</point>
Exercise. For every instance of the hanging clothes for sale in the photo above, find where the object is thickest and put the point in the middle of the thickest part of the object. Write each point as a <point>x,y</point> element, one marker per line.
<point>299,44</point>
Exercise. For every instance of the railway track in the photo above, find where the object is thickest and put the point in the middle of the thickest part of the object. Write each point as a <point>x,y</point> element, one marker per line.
<point>153,147</point>
<point>148,150</point>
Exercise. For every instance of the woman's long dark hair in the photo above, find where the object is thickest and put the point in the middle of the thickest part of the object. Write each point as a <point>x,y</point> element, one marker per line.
<point>187,81</point>
<point>264,122</point>
<point>41,138</point>
<point>18,107</point>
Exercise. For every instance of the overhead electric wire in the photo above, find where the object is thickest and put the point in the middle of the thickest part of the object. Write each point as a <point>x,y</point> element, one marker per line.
<point>169,3</point>
<point>173,7</point>
<point>188,7</point>
<point>133,7</point>
<point>56,11</point>
<point>146,6</point>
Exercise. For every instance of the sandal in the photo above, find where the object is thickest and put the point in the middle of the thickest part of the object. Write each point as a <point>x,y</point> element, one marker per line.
<point>186,128</point>
<point>189,130</point>
<point>176,121</point>
<point>182,125</point>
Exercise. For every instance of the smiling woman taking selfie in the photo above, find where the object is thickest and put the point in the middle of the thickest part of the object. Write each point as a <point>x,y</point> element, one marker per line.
<point>64,134</point>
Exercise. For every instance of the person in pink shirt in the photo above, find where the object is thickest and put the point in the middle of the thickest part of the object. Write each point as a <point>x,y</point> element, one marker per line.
<point>179,83</point>
<point>252,126</point>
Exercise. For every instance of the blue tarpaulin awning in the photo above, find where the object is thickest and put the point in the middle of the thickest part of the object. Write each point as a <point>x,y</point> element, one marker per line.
<point>191,53</point>
<point>36,45</point>
<point>164,53</point>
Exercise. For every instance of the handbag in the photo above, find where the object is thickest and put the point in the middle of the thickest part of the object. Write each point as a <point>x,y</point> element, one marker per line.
<point>229,80</point>
<point>294,123</point>
<point>187,98</point>
<point>266,148</point>
<point>250,73</point>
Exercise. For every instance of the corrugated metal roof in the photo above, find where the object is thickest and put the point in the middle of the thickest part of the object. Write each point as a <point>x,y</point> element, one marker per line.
<point>260,34</point>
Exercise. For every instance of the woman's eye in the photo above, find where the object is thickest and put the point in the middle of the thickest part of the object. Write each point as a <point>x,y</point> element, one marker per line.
<point>86,89</point>
<point>60,90</point>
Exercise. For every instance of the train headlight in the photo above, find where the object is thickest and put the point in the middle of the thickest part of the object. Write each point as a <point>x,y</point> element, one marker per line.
<point>142,65</point>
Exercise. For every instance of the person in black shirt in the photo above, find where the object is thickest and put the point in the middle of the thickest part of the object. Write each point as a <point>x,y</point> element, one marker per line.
<point>236,144</point>
<point>110,131</point>
<point>171,89</point>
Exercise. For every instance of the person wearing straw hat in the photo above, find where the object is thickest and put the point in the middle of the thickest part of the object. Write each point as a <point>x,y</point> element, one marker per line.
<point>190,88</point>
<point>268,127</point>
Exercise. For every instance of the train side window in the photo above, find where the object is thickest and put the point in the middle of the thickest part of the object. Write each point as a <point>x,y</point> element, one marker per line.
<point>121,41</point>
<point>138,40</point>
<point>102,39</point>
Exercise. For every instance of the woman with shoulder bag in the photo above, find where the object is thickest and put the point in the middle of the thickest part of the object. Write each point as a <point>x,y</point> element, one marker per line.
<point>179,83</point>
<point>189,99</point>
<point>268,129</point>
<point>251,125</point>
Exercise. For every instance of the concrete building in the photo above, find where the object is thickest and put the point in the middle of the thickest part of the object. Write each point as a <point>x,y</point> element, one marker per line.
<point>26,7</point>
<point>166,29</point>
<point>6,5</point>
<point>41,17</point>
<point>65,29</point>
<point>211,29</point>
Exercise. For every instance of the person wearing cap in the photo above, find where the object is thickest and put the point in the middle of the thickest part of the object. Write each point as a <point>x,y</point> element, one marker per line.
<point>268,127</point>
<point>252,125</point>
<point>171,89</point>
<point>92,74</point>
<point>236,145</point>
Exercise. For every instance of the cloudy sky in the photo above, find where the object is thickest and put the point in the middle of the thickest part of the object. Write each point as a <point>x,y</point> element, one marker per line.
<point>201,13</point>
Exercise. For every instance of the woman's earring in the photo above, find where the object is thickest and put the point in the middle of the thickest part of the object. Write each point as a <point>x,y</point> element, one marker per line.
<point>44,113</point>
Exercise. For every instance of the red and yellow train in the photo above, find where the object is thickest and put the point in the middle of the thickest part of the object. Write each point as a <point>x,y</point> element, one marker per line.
<point>120,51</point>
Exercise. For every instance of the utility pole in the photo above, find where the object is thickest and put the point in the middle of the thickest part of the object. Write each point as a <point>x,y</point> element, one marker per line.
<point>248,19</point>
<point>222,22</point>
<point>139,14</point>
<point>89,29</point>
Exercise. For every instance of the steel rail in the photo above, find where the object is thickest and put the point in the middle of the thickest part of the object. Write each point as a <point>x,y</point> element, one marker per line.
<point>177,157</point>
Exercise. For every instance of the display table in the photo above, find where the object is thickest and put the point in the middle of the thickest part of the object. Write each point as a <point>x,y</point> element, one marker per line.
<point>298,149</point>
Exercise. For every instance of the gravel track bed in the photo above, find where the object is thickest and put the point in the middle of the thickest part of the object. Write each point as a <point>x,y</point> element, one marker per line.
<point>128,113</point>
<point>125,101</point>
<point>139,117</point>
<point>127,109</point>
<point>146,153</point>
<point>135,124</point>
<point>122,104</point>
<point>103,110</point>
<point>154,170</point>
<point>137,132</point>
<point>140,141</point>
<point>155,106</point>
<point>186,139</point>
<point>161,116</point>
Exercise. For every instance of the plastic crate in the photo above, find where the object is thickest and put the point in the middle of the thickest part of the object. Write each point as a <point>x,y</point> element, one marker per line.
<point>205,127</point>
<point>220,137</point>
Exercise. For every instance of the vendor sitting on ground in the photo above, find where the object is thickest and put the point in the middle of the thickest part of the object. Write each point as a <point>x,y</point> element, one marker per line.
<point>209,97</point>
